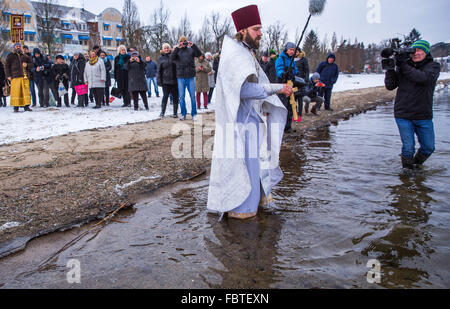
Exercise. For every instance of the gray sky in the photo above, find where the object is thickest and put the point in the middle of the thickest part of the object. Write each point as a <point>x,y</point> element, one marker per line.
<point>348,18</point>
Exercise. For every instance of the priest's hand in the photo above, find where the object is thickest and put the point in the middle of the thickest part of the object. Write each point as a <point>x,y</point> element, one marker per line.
<point>287,90</point>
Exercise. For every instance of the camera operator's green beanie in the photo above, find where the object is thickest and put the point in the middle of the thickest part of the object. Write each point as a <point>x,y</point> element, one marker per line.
<point>423,45</point>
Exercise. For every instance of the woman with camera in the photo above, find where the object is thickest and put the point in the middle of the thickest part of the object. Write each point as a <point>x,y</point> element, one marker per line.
<point>137,82</point>
<point>415,77</point>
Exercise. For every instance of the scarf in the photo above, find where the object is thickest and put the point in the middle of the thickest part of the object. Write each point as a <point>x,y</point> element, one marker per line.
<point>122,61</point>
<point>93,61</point>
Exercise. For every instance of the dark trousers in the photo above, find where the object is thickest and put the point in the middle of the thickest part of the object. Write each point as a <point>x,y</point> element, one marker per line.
<point>126,97</point>
<point>91,95</point>
<point>286,102</point>
<point>106,97</point>
<point>2,98</point>
<point>170,90</point>
<point>43,93</point>
<point>74,94</point>
<point>33,92</point>
<point>98,95</point>
<point>135,95</point>
<point>327,97</point>
<point>58,98</point>
<point>210,94</point>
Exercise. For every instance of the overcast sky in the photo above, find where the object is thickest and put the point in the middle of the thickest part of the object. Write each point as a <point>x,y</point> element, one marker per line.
<point>348,18</point>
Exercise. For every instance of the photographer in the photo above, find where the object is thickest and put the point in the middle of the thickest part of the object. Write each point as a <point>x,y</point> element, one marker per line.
<point>42,76</point>
<point>415,76</point>
<point>184,57</point>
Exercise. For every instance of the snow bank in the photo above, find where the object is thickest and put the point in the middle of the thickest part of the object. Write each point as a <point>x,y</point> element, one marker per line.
<point>43,123</point>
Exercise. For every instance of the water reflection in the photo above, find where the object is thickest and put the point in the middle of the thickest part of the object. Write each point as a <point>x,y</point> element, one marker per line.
<point>408,237</point>
<point>247,249</point>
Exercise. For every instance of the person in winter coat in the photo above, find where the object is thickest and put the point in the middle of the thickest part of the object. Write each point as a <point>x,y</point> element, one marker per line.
<point>150,73</point>
<point>121,74</point>
<point>313,92</point>
<point>264,62</point>
<point>202,68</point>
<point>26,51</point>
<point>18,69</point>
<point>42,77</point>
<point>137,83</point>
<point>184,56</point>
<point>211,80</point>
<point>95,76</point>
<point>77,77</point>
<point>2,84</point>
<point>271,73</point>
<point>60,73</point>
<point>167,79</point>
<point>108,67</point>
<point>415,80</point>
<point>216,62</point>
<point>302,64</point>
<point>282,67</point>
<point>329,74</point>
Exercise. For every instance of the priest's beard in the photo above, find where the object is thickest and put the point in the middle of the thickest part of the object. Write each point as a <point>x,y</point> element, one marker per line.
<point>253,43</point>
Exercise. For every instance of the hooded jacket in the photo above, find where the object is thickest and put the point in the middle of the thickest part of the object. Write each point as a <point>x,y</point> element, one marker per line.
<point>329,73</point>
<point>416,83</point>
<point>41,61</point>
<point>282,65</point>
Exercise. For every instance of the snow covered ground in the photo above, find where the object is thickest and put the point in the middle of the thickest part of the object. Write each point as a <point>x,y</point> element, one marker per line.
<point>43,123</point>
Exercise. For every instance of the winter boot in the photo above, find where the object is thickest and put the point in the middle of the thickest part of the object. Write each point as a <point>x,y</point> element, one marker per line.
<point>27,108</point>
<point>420,158</point>
<point>313,110</point>
<point>407,163</point>
<point>16,109</point>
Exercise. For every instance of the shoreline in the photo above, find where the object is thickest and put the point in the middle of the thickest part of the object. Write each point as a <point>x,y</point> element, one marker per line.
<point>61,182</point>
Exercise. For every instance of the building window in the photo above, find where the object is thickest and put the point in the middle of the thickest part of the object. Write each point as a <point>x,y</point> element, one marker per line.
<point>106,27</point>
<point>106,42</point>
<point>29,37</point>
<point>28,20</point>
<point>6,18</point>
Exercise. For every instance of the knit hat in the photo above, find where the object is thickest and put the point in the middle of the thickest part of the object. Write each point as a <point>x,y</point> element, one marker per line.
<point>315,76</point>
<point>423,45</point>
<point>16,44</point>
<point>272,52</point>
<point>208,54</point>
<point>36,51</point>
<point>246,17</point>
<point>289,45</point>
<point>60,57</point>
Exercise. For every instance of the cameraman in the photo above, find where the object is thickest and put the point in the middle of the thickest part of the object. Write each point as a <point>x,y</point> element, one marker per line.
<point>415,77</point>
<point>184,57</point>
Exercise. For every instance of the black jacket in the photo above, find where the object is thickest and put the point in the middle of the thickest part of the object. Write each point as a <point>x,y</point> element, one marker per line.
<point>2,76</point>
<point>108,68</point>
<point>271,72</point>
<point>167,71</point>
<point>216,63</point>
<point>185,60</point>
<point>136,76</point>
<point>77,71</point>
<point>303,68</point>
<point>42,75</point>
<point>416,83</point>
<point>121,76</point>
<point>60,72</point>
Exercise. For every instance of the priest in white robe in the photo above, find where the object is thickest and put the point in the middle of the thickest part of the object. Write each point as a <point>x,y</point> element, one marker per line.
<point>250,121</point>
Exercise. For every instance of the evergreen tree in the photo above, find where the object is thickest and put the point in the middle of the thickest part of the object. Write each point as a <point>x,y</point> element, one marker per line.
<point>311,47</point>
<point>413,36</point>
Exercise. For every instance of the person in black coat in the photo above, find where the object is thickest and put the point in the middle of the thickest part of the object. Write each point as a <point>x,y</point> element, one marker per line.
<point>302,65</point>
<point>271,71</point>
<point>264,62</point>
<point>313,94</point>
<point>415,79</point>
<point>108,67</point>
<point>184,56</point>
<point>166,78</point>
<point>2,84</point>
<point>77,77</point>
<point>137,83</point>
<point>121,74</point>
<point>329,74</point>
<point>60,73</point>
<point>42,76</point>
<point>216,63</point>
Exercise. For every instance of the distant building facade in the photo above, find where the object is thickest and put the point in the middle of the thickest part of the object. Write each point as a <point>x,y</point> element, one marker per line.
<point>77,30</point>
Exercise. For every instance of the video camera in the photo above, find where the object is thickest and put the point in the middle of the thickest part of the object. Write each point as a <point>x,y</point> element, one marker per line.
<point>388,54</point>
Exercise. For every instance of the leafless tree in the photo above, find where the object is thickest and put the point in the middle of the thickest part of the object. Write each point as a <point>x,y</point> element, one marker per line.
<point>220,27</point>
<point>204,41</point>
<point>132,32</point>
<point>276,37</point>
<point>48,15</point>
<point>184,29</point>
<point>157,33</point>
<point>4,42</point>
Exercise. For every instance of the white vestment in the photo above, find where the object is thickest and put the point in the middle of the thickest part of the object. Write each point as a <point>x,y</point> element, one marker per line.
<point>229,181</point>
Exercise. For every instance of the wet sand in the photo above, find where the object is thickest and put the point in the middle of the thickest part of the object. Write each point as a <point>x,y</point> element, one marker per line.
<point>56,183</point>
